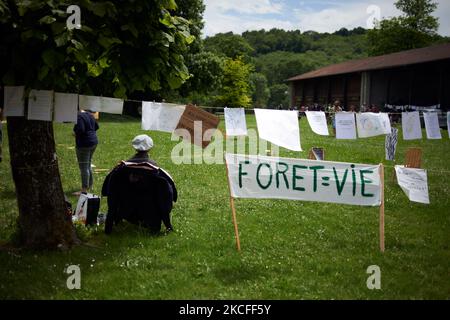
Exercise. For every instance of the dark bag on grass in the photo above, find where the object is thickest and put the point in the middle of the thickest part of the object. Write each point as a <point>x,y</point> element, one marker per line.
<point>92,210</point>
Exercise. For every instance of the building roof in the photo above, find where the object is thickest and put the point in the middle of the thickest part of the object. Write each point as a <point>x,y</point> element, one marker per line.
<point>398,59</point>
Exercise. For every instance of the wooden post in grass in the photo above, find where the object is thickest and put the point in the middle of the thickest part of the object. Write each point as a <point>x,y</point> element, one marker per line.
<point>233,209</point>
<point>382,208</point>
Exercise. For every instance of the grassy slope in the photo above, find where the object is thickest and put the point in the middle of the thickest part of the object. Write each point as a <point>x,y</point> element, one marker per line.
<point>290,249</point>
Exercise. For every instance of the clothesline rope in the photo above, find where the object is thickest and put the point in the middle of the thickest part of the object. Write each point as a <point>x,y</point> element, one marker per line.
<point>252,109</point>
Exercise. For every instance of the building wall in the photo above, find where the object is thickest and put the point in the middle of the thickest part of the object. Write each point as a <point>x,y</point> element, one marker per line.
<point>424,84</point>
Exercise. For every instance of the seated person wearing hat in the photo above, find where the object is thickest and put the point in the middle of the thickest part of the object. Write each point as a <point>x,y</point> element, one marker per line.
<point>139,191</point>
<point>142,144</point>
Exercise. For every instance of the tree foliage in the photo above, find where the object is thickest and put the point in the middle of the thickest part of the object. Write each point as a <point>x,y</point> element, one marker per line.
<point>416,28</point>
<point>235,90</point>
<point>279,96</point>
<point>417,15</point>
<point>260,90</point>
<point>229,45</point>
<point>122,46</point>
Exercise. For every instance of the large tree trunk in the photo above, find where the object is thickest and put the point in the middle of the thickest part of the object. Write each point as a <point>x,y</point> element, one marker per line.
<point>43,218</point>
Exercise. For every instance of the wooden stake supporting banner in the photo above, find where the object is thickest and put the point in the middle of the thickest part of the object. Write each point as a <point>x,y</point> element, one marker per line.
<point>233,209</point>
<point>236,231</point>
<point>382,208</point>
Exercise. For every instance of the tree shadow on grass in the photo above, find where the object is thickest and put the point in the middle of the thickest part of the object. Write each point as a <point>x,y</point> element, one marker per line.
<point>115,118</point>
<point>237,273</point>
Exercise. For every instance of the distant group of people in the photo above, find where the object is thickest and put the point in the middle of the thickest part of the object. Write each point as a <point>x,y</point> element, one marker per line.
<point>331,110</point>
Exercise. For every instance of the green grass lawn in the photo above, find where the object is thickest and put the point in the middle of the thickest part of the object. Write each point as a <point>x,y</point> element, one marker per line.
<point>290,249</point>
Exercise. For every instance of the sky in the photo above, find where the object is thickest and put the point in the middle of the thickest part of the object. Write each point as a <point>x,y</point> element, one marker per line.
<point>318,15</point>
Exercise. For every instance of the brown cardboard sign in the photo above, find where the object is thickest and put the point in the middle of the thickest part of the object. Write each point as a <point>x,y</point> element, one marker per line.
<point>200,120</point>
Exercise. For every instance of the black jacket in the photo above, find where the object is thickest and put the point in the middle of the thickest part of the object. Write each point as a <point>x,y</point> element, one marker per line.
<point>85,130</point>
<point>140,193</point>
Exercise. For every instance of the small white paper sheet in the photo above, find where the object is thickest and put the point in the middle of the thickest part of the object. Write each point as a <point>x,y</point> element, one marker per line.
<point>14,101</point>
<point>414,183</point>
<point>101,104</point>
<point>432,125</point>
<point>345,125</point>
<point>111,105</point>
<point>371,124</point>
<point>40,105</point>
<point>235,123</point>
<point>161,116</point>
<point>279,127</point>
<point>411,126</point>
<point>92,103</point>
<point>66,107</point>
<point>318,122</point>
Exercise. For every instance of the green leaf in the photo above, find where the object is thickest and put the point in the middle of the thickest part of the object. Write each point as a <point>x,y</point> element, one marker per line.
<point>94,69</point>
<point>77,44</point>
<point>107,42</point>
<point>169,37</point>
<point>166,20</point>
<point>120,92</point>
<point>62,39</point>
<point>43,72</point>
<point>58,27</point>
<point>47,20</point>
<point>103,62</point>
<point>130,27</point>
<point>99,9</point>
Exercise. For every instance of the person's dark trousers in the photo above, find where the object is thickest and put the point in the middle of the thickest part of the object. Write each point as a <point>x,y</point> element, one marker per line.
<point>1,140</point>
<point>84,156</point>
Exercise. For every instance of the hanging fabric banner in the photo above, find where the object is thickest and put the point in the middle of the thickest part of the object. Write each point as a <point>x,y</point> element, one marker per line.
<point>265,177</point>
<point>279,127</point>
<point>391,144</point>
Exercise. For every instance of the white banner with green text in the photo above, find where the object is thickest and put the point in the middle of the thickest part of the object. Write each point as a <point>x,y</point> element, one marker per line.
<point>255,176</point>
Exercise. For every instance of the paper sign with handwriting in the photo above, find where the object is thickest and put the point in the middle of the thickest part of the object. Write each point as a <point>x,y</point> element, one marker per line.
<point>318,122</point>
<point>411,126</point>
<point>66,107</point>
<point>161,116</point>
<point>14,101</point>
<point>432,125</point>
<point>197,121</point>
<point>414,183</point>
<point>371,124</point>
<point>235,123</point>
<point>40,105</point>
<point>345,125</point>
